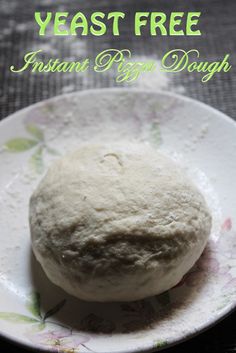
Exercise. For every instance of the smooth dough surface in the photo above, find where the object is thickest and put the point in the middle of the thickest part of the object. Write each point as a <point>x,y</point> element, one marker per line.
<point>117,223</point>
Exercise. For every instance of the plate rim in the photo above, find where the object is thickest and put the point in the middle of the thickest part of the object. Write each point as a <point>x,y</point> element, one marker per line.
<point>182,338</point>
<point>12,116</point>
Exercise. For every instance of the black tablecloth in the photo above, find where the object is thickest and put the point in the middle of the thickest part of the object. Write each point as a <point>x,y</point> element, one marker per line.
<point>19,35</point>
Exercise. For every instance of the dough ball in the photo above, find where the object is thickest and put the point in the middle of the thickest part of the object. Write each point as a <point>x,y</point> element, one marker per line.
<point>117,223</point>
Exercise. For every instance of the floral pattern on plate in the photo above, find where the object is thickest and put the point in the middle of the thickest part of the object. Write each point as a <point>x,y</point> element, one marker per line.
<point>64,324</point>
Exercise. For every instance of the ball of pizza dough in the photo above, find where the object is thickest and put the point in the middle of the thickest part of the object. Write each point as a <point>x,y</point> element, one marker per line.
<point>117,223</point>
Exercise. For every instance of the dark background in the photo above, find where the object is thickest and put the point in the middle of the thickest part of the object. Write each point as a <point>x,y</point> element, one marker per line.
<point>19,35</point>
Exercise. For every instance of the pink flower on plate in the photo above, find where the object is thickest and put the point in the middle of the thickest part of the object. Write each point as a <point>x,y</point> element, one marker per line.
<point>226,244</point>
<point>61,340</point>
<point>73,342</point>
<point>227,225</point>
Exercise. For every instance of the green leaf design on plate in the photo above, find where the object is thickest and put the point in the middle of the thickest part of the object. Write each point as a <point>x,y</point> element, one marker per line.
<point>160,344</point>
<point>36,160</point>
<point>17,318</point>
<point>35,131</point>
<point>55,309</point>
<point>20,144</point>
<point>52,151</point>
<point>156,133</point>
<point>38,327</point>
<point>33,304</point>
<point>41,326</point>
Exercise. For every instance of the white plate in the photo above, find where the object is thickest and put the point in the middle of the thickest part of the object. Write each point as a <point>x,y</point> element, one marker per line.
<point>200,138</point>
